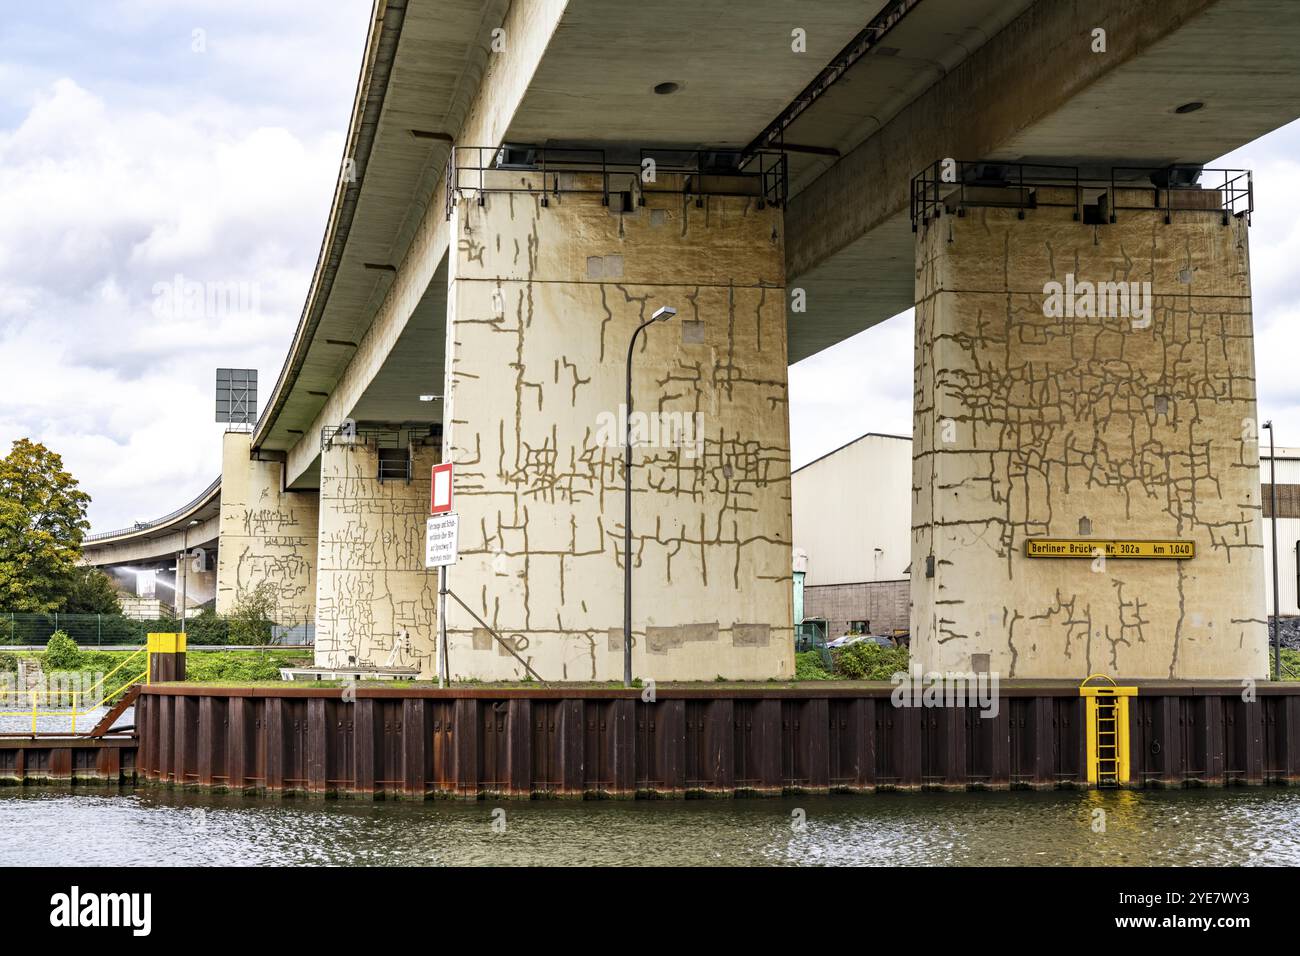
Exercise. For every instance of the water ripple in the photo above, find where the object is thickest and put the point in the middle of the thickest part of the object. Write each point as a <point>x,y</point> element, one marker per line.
<point>1152,828</point>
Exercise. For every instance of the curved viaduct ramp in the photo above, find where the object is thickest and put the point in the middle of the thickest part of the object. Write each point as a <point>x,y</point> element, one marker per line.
<point>193,525</point>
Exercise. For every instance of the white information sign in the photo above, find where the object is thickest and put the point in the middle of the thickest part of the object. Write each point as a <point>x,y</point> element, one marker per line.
<point>441,539</point>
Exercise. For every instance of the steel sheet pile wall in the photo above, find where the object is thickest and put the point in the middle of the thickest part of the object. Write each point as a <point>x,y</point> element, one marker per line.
<point>1216,739</point>
<point>419,743</point>
<point>67,760</point>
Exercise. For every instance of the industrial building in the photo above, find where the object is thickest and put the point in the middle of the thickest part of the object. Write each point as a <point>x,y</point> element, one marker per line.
<point>851,510</point>
<point>851,514</point>
<point>1288,528</point>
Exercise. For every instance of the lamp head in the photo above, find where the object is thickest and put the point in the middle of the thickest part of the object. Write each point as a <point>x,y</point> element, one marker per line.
<point>663,314</point>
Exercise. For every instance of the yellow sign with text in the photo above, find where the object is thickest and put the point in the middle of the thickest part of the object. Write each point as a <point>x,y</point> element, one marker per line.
<point>1092,548</point>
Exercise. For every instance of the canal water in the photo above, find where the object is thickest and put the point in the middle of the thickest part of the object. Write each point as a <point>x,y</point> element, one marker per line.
<point>1255,826</point>
<point>58,721</point>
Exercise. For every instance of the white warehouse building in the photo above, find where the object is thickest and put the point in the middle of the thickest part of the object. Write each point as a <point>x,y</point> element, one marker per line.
<point>852,511</point>
<point>852,516</point>
<point>1288,528</point>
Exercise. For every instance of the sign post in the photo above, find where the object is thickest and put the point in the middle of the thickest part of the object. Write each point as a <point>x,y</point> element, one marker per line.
<point>441,543</point>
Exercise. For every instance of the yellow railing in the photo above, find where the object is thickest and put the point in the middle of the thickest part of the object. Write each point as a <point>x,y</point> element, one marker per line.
<point>77,698</point>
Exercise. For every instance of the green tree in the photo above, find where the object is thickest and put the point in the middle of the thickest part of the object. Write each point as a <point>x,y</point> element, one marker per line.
<point>91,591</point>
<point>253,615</point>
<point>42,522</point>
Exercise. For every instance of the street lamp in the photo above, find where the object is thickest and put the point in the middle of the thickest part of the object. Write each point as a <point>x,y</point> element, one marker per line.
<point>662,314</point>
<point>182,569</point>
<point>1272,510</point>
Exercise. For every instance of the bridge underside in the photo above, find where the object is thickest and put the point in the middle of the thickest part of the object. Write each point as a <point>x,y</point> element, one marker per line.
<point>485,321</point>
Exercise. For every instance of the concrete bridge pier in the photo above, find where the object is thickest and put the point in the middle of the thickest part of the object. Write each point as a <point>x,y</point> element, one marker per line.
<point>376,603</point>
<point>266,534</point>
<point>1089,381</point>
<point>544,296</point>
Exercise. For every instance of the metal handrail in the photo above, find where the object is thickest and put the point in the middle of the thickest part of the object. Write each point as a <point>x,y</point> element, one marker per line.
<point>394,470</point>
<point>931,189</point>
<point>77,698</point>
<point>394,436</point>
<point>768,169</point>
<point>165,519</point>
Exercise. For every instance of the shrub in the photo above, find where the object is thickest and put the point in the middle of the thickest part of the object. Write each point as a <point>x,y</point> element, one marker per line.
<point>234,666</point>
<point>61,653</point>
<point>8,662</point>
<point>116,629</point>
<point>206,628</point>
<point>251,620</point>
<point>808,666</point>
<point>867,660</point>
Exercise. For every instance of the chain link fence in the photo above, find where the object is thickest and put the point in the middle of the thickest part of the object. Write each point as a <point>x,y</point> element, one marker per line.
<point>109,630</point>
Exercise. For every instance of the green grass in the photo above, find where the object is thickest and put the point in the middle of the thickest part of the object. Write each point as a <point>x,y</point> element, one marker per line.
<point>238,666</point>
<point>217,667</point>
<point>1290,664</point>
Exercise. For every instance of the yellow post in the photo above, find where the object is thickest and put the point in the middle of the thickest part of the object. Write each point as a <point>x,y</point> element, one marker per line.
<point>1091,710</point>
<point>1121,714</point>
<point>170,647</point>
<point>33,713</point>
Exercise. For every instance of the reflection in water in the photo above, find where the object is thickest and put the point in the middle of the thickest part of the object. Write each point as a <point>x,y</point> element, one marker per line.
<point>155,826</point>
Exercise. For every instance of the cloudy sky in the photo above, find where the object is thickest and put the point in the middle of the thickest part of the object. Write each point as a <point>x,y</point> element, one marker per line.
<point>145,140</point>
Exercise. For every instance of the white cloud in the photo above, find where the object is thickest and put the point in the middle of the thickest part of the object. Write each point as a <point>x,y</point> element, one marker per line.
<point>102,206</point>
<point>863,384</point>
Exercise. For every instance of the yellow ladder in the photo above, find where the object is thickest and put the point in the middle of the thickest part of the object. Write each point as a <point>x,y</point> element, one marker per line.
<point>1107,757</point>
<point>1107,729</point>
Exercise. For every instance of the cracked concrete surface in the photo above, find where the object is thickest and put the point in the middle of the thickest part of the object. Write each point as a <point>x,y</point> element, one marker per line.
<point>542,303</point>
<point>374,594</point>
<point>1145,432</point>
<point>266,534</point>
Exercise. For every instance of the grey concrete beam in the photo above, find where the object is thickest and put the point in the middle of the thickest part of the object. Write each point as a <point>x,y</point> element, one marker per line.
<point>1036,91</point>
<point>136,550</point>
<point>528,30</point>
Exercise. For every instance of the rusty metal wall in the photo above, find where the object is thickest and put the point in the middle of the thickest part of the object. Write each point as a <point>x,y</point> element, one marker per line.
<point>420,743</point>
<point>67,760</point>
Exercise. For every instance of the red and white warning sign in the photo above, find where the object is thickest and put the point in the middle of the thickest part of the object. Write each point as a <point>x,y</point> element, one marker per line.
<point>440,490</point>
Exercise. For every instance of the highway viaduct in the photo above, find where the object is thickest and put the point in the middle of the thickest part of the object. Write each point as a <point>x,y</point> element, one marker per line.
<point>753,167</point>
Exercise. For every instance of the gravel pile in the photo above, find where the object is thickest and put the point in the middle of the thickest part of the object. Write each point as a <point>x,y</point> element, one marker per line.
<point>1290,632</point>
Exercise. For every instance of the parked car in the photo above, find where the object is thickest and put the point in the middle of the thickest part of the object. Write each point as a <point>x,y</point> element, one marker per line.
<point>847,639</point>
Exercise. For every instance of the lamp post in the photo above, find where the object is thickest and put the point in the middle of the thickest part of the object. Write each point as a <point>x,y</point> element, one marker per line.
<point>183,569</point>
<point>662,314</point>
<point>1272,510</point>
